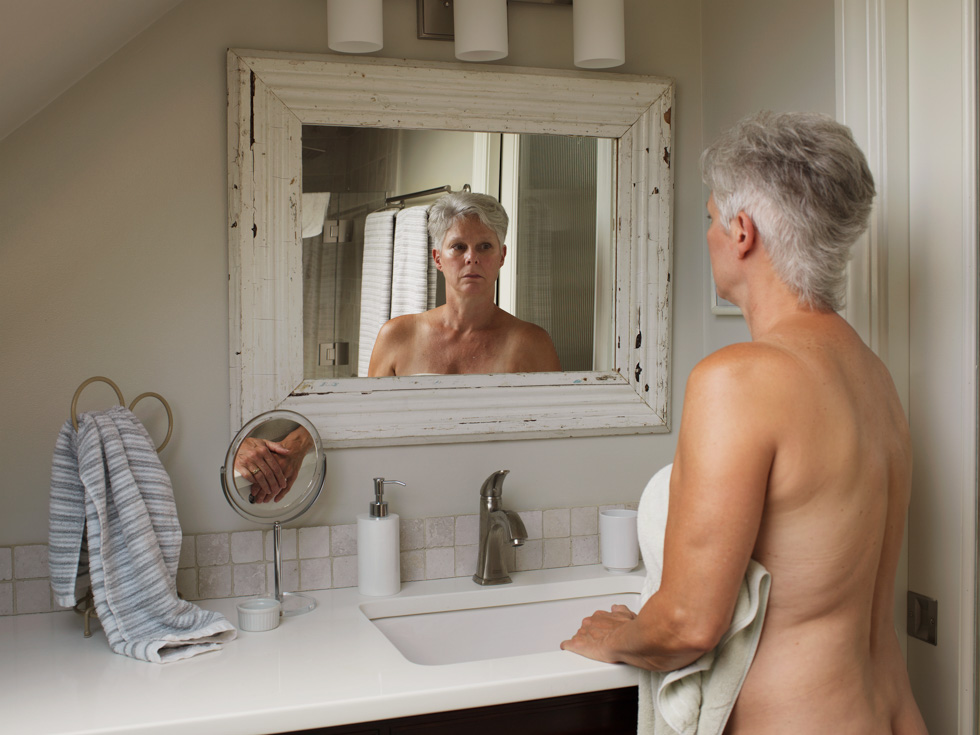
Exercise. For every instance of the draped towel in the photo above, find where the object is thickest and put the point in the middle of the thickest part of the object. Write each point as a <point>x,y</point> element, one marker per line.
<point>379,234</point>
<point>696,699</point>
<point>413,267</point>
<point>314,212</point>
<point>108,484</point>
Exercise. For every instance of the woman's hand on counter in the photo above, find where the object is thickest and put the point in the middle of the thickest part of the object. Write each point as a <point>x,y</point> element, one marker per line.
<point>592,638</point>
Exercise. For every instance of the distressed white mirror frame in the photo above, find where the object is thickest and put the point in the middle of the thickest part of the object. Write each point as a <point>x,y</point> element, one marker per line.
<point>271,95</point>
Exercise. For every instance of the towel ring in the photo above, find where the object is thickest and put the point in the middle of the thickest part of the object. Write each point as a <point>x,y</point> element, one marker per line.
<point>170,415</point>
<point>122,402</point>
<point>74,400</point>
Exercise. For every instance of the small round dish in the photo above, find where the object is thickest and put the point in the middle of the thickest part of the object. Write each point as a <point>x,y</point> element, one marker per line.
<point>258,614</point>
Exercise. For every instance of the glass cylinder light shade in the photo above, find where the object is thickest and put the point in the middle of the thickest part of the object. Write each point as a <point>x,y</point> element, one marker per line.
<point>354,26</point>
<point>480,27</point>
<point>599,31</point>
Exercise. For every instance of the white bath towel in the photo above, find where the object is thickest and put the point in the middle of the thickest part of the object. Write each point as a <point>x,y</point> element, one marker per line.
<point>379,242</point>
<point>696,699</point>
<point>412,262</point>
<point>108,484</point>
<point>314,212</point>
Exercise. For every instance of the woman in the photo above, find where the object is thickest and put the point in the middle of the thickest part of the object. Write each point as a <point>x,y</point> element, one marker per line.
<point>469,334</point>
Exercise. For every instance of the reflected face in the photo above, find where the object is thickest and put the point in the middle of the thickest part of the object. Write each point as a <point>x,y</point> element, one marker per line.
<point>470,257</point>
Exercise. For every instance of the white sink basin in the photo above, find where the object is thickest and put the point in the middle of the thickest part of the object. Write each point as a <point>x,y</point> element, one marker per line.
<point>495,622</point>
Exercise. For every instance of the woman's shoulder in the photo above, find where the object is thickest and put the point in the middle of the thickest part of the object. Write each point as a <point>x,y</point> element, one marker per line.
<point>402,325</point>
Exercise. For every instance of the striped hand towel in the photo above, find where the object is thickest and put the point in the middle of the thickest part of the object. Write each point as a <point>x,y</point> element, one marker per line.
<point>108,483</point>
<point>379,233</point>
<point>412,262</point>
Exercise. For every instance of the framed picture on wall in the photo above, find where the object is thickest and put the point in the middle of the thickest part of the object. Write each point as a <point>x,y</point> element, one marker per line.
<point>719,305</point>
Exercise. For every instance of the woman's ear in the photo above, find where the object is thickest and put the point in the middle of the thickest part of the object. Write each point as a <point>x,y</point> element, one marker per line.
<point>437,258</point>
<point>744,234</point>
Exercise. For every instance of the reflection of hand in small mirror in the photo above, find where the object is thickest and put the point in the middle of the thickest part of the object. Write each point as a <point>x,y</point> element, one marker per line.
<point>469,334</point>
<point>272,466</point>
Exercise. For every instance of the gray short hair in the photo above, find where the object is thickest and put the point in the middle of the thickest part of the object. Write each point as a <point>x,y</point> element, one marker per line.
<point>807,187</point>
<point>454,206</point>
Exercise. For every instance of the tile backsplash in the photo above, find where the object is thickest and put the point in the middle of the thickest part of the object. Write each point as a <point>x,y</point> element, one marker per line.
<point>239,563</point>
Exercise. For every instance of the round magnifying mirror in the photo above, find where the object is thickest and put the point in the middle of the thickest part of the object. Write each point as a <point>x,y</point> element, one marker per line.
<point>273,473</point>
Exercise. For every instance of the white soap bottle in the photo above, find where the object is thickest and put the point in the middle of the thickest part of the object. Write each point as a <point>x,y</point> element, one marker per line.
<point>378,547</point>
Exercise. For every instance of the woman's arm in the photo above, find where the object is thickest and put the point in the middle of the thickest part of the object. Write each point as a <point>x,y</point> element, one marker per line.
<point>717,494</point>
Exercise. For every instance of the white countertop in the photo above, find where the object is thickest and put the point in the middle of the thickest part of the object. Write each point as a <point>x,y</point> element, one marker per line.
<point>328,667</point>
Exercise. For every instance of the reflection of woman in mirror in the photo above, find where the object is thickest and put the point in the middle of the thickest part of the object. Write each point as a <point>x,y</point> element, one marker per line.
<point>272,465</point>
<point>469,333</point>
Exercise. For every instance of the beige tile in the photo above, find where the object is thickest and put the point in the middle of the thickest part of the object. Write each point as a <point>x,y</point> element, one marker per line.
<point>529,556</point>
<point>314,543</point>
<point>440,563</point>
<point>413,565</point>
<point>214,581</point>
<point>465,560</point>
<point>31,562</point>
<point>6,563</point>
<point>344,571</point>
<point>440,532</point>
<point>213,549</point>
<point>532,522</point>
<point>556,523</point>
<point>412,534</point>
<point>315,574</point>
<point>557,553</point>
<point>343,540</point>
<point>248,579</point>
<point>585,550</point>
<point>585,521</point>
<point>246,546</point>
<point>467,530</point>
<point>6,598</point>
<point>32,596</point>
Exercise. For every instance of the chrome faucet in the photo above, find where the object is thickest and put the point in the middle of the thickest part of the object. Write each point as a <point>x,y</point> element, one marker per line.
<point>499,529</point>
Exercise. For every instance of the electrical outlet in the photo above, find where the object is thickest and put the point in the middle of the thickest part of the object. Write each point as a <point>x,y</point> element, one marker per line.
<point>923,617</point>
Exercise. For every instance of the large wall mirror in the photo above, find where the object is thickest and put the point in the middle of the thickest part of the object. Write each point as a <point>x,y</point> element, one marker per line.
<point>293,122</point>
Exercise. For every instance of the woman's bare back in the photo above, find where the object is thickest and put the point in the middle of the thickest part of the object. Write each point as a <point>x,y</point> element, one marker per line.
<point>831,534</point>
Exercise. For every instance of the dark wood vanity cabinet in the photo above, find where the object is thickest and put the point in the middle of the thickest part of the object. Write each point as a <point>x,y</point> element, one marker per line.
<point>611,712</point>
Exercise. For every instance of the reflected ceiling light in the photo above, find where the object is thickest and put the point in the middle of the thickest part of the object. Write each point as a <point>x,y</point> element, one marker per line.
<point>599,33</point>
<point>354,26</point>
<point>480,28</point>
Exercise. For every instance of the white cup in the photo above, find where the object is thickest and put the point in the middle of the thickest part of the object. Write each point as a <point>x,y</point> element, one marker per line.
<point>618,545</point>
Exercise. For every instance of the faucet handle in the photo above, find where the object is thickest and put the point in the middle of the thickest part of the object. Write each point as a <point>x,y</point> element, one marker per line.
<point>493,486</point>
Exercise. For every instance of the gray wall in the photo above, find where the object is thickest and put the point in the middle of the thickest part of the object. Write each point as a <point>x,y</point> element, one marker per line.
<point>761,55</point>
<point>114,262</point>
<point>114,248</point>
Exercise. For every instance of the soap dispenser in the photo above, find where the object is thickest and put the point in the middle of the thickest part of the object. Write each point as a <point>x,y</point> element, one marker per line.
<point>378,547</point>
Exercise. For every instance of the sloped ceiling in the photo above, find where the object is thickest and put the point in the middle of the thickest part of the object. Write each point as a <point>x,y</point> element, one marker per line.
<point>46,46</point>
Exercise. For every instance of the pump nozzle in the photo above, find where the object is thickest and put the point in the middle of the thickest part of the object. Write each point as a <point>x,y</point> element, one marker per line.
<point>379,507</point>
